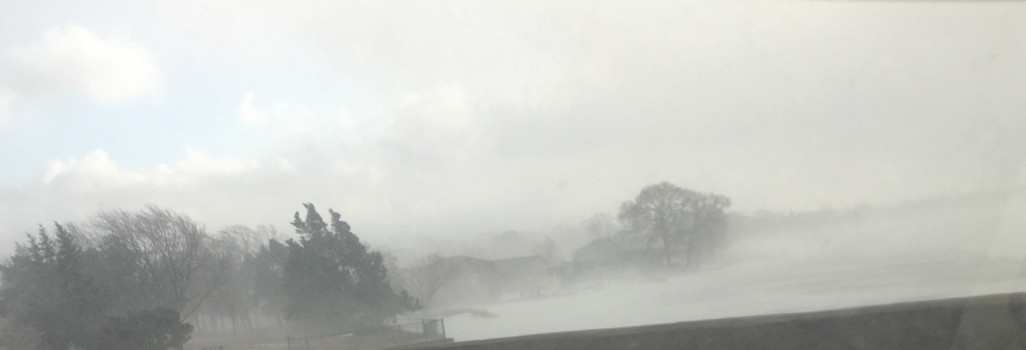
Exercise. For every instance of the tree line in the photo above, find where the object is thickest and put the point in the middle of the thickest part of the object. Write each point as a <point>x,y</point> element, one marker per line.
<point>134,280</point>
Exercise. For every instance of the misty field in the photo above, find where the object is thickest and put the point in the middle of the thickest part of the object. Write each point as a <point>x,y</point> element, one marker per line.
<point>903,253</point>
<point>622,299</point>
<point>753,289</point>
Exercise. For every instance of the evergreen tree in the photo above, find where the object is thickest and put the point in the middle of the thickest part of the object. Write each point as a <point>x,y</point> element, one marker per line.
<point>268,277</point>
<point>332,280</point>
<point>44,287</point>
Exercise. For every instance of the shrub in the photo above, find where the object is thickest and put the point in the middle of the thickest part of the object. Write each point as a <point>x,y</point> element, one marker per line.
<point>156,329</point>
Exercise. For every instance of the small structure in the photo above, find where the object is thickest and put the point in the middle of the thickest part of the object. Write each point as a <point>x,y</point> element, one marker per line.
<point>615,250</point>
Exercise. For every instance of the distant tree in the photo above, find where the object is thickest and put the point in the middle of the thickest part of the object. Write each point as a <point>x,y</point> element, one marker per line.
<point>601,225</point>
<point>546,248</point>
<point>709,225</point>
<point>425,276</point>
<point>675,216</point>
<point>237,247</point>
<point>608,236</point>
<point>157,329</point>
<point>248,240</point>
<point>395,272</point>
<point>268,278</point>
<point>234,248</point>
<point>332,281</point>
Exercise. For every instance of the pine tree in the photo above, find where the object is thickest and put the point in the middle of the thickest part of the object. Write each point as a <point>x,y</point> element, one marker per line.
<point>331,279</point>
<point>44,287</point>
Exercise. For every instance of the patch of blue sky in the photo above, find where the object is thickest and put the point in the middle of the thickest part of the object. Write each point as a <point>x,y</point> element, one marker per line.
<point>196,106</point>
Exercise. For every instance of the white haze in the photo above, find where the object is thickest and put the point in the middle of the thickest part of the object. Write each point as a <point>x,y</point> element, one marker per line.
<point>434,127</point>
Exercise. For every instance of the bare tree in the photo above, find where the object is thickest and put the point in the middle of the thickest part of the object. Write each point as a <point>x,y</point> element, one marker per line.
<point>249,240</point>
<point>660,212</point>
<point>427,275</point>
<point>675,216</point>
<point>168,255</point>
<point>709,225</point>
<point>234,246</point>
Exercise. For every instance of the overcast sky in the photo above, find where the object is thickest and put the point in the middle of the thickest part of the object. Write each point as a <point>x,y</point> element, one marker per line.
<point>455,118</point>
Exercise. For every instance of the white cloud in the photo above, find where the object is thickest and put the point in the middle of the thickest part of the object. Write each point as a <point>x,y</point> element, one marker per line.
<point>72,58</point>
<point>281,117</point>
<point>97,166</point>
<point>199,164</point>
<point>291,125</point>
<point>6,99</point>
<point>97,171</point>
<point>249,113</point>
